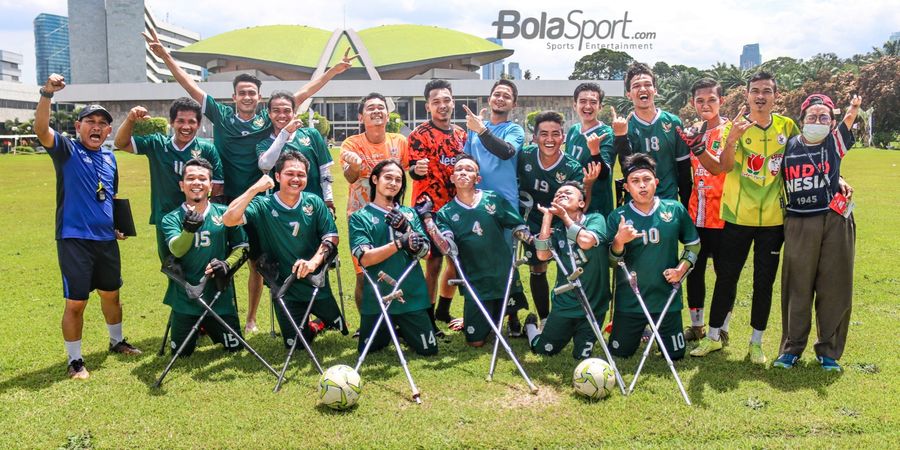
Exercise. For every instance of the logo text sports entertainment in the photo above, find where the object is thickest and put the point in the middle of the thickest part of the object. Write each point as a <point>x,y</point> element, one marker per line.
<point>590,34</point>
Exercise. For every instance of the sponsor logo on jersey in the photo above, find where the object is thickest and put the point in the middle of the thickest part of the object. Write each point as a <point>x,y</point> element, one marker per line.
<point>548,347</point>
<point>560,177</point>
<point>528,167</point>
<point>754,163</point>
<point>375,220</point>
<point>455,218</point>
<point>195,153</point>
<point>667,127</point>
<point>259,121</point>
<point>448,160</point>
<point>666,216</point>
<point>716,145</point>
<point>747,141</point>
<point>561,243</point>
<point>775,163</point>
<point>244,133</point>
<point>490,208</point>
<point>308,210</point>
<point>274,213</point>
<point>217,220</point>
<point>781,139</point>
<point>305,141</point>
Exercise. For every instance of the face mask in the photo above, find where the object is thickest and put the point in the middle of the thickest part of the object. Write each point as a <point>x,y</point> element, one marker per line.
<point>815,132</point>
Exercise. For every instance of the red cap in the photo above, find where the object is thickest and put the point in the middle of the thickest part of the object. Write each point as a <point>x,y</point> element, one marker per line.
<point>825,100</point>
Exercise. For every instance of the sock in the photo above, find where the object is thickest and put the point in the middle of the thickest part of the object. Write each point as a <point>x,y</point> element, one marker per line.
<point>713,333</point>
<point>73,348</point>
<point>431,316</point>
<point>540,293</point>
<point>696,317</point>
<point>756,338</point>
<point>443,308</point>
<point>519,299</point>
<point>531,331</point>
<point>115,333</point>
<point>727,321</point>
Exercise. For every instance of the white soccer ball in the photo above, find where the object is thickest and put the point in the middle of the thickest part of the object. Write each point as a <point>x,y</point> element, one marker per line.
<point>339,387</point>
<point>594,378</point>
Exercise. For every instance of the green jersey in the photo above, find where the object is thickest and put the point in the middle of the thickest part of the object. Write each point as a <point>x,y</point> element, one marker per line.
<point>310,143</point>
<point>166,167</point>
<point>236,140</point>
<point>576,147</point>
<point>368,229</point>
<point>659,138</point>
<point>212,240</point>
<point>477,228</point>
<point>649,255</point>
<point>538,184</point>
<point>288,233</point>
<point>594,261</point>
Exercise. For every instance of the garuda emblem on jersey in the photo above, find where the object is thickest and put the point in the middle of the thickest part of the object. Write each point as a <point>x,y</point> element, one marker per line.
<point>274,213</point>
<point>305,141</point>
<point>195,153</point>
<point>259,121</point>
<point>217,220</point>
<point>667,127</point>
<point>528,167</point>
<point>308,210</point>
<point>455,218</point>
<point>666,216</point>
<point>375,221</point>
<point>560,177</point>
<point>490,208</point>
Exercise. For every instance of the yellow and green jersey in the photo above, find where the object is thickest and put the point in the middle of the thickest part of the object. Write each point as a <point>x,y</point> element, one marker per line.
<point>576,147</point>
<point>753,194</point>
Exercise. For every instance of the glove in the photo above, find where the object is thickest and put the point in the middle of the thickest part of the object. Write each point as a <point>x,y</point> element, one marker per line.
<point>397,220</point>
<point>694,138</point>
<point>424,206</point>
<point>524,235</point>
<point>413,243</point>
<point>192,221</point>
<point>220,273</point>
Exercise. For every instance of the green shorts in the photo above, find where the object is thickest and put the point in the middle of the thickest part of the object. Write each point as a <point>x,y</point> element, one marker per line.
<point>182,324</point>
<point>558,331</point>
<point>324,308</point>
<point>476,327</point>
<point>628,328</point>
<point>414,327</point>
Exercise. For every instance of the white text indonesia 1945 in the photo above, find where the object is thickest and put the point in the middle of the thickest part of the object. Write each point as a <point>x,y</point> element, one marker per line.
<point>511,25</point>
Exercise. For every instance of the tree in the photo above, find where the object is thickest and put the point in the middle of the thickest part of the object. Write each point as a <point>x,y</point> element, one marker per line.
<point>527,74</point>
<point>878,85</point>
<point>321,124</point>
<point>604,64</point>
<point>676,90</point>
<point>889,48</point>
<point>728,75</point>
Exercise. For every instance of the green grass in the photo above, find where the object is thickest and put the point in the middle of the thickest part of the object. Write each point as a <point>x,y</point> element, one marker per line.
<point>212,400</point>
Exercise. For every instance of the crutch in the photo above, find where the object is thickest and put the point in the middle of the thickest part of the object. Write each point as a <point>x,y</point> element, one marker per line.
<point>632,281</point>
<point>337,272</point>
<point>162,346</point>
<point>269,271</point>
<point>516,262</point>
<point>675,288</point>
<point>574,278</point>
<point>317,281</point>
<point>462,280</point>
<point>384,302</point>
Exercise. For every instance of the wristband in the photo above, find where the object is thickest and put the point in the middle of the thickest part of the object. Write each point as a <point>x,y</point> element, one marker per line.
<point>45,94</point>
<point>689,256</point>
<point>699,150</point>
<point>542,244</point>
<point>572,231</point>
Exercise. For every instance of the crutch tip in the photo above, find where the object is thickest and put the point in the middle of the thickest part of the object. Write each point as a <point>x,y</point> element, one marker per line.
<point>534,390</point>
<point>488,378</point>
<point>417,398</point>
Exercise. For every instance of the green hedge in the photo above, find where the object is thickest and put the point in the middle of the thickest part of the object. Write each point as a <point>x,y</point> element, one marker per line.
<point>150,126</point>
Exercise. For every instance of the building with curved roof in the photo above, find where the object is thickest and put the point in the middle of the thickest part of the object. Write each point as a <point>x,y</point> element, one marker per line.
<point>388,52</point>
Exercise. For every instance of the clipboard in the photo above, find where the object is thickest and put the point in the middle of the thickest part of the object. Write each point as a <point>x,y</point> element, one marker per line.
<point>122,218</point>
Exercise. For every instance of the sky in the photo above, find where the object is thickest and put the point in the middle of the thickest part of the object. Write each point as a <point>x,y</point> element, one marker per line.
<point>691,33</point>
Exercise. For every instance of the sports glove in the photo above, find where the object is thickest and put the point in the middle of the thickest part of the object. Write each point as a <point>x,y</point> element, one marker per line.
<point>413,243</point>
<point>694,138</point>
<point>220,273</point>
<point>397,220</point>
<point>424,206</point>
<point>192,221</point>
<point>524,235</point>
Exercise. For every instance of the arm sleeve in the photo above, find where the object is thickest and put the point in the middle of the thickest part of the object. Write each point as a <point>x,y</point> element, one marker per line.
<point>843,139</point>
<point>237,237</point>
<point>622,146</point>
<point>214,111</point>
<point>178,241</point>
<point>507,215</point>
<point>268,156</point>
<point>687,232</point>
<point>498,147</point>
<point>144,145</point>
<point>685,180</point>
<point>358,231</point>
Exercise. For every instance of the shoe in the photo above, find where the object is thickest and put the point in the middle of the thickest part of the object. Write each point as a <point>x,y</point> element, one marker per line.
<point>438,333</point>
<point>723,336</point>
<point>693,333</point>
<point>455,324</point>
<point>706,347</point>
<point>124,348</point>
<point>531,319</point>
<point>756,354</point>
<point>77,371</point>
<point>786,361</point>
<point>356,334</point>
<point>514,327</point>
<point>829,364</point>
<point>647,334</point>
<point>316,326</point>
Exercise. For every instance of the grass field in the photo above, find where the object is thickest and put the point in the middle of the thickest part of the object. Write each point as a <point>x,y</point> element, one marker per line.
<point>216,401</point>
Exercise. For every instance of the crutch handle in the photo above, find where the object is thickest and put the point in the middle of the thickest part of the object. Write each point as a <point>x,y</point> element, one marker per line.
<point>396,295</point>
<point>575,274</point>
<point>455,282</point>
<point>520,262</point>
<point>564,288</point>
<point>386,278</point>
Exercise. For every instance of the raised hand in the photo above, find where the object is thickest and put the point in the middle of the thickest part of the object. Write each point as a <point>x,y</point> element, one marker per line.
<point>475,122</point>
<point>591,172</point>
<point>856,101</point>
<point>346,61</point>
<point>192,220</point>
<point>138,113</point>
<point>397,220</point>
<point>626,232</point>
<point>263,184</point>
<point>55,82</point>
<point>619,124</point>
<point>593,142</point>
<point>421,167</point>
<point>352,159</point>
<point>740,124</point>
<point>156,47</point>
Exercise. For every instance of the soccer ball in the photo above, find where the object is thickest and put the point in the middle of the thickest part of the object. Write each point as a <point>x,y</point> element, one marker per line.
<point>339,387</point>
<point>594,378</point>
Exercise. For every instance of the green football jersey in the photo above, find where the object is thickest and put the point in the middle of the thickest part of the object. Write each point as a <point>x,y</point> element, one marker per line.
<point>308,142</point>
<point>661,141</point>
<point>236,139</point>
<point>576,147</point>
<point>288,233</point>
<point>594,261</point>
<point>367,227</point>
<point>479,231</point>
<point>538,184</point>
<point>666,224</point>
<point>166,167</point>
<point>212,240</point>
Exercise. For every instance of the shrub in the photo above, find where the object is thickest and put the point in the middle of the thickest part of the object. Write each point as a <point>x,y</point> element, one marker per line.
<point>323,126</point>
<point>150,126</point>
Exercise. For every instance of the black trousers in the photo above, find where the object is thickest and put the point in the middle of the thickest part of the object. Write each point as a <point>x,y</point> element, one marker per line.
<point>710,242</point>
<point>736,242</point>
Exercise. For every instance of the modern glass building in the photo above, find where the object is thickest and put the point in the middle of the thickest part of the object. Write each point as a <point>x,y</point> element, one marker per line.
<point>750,57</point>
<point>51,46</point>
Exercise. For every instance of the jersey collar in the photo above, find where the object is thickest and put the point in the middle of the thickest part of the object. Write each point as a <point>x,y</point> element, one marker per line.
<point>585,133</point>
<point>562,156</point>
<point>187,146</point>
<point>378,208</point>
<point>652,210</point>
<point>655,118</point>
<point>184,207</point>
<point>285,206</point>
<point>478,197</point>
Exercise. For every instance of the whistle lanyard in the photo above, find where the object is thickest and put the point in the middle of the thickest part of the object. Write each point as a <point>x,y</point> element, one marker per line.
<point>101,190</point>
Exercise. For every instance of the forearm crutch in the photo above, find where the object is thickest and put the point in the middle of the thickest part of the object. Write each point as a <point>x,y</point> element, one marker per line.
<point>574,278</point>
<point>632,281</point>
<point>675,288</point>
<point>516,262</point>
<point>297,329</point>
<point>384,302</point>
<point>462,280</point>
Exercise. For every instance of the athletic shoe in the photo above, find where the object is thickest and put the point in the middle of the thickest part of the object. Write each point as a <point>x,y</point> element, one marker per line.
<point>316,326</point>
<point>455,324</point>
<point>829,364</point>
<point>514,327</point>
<point>124,348</point>
<point>756,354</point>
<point>693,333</point>
<point>706,347</point>
<point>647,334</point>
<point>77,371</point>
<point>786,361</point>
<point>531,319</point>
<point>723,336</point>
<point>438,333</point>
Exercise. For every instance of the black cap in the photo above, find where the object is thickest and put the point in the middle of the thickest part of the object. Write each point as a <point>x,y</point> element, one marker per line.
<point>94,109</point>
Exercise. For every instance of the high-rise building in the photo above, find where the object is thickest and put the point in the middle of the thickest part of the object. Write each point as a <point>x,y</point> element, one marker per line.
<point>10,66</point>
<point>51,46</point>
<point>494,70</point>
<point>750,57</point>
<point>106,44</point>
<point>514,71</point>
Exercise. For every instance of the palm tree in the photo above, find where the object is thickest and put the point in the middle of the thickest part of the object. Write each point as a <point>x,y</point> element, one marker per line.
<point>728,75</point>
<point>677,91</point>
<point>889,48</point>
